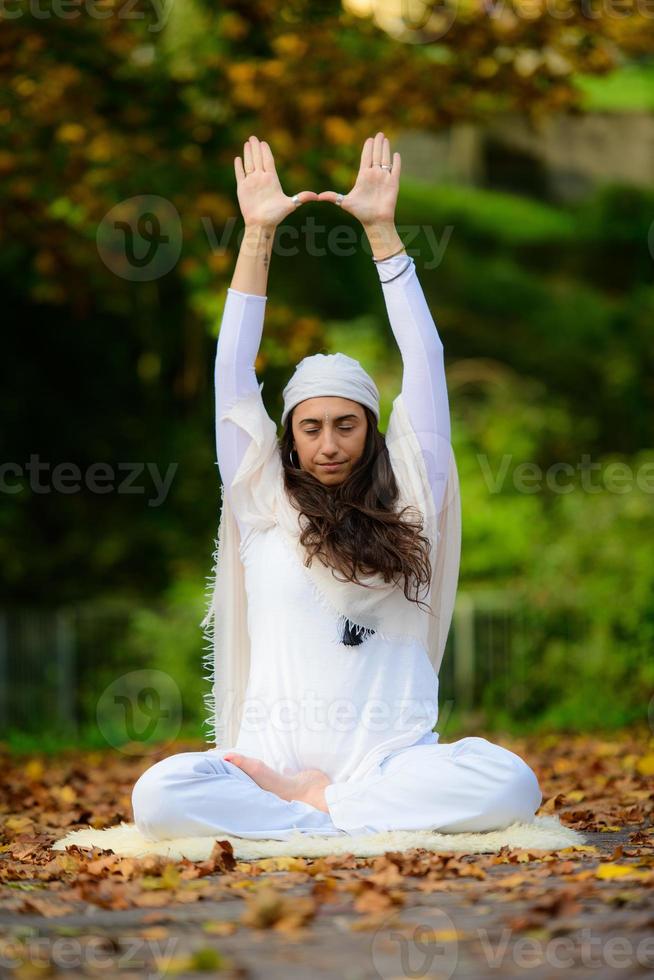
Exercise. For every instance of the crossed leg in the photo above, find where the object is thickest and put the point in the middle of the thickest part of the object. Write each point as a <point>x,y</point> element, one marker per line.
<point>468,785</point>
<point>199,794</point>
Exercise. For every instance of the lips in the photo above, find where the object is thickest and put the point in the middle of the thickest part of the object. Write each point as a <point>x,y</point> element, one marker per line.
<point>330,466</point>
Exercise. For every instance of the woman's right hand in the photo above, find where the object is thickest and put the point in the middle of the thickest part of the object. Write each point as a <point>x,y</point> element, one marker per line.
<point>260,196</point>
<point>374,195</point>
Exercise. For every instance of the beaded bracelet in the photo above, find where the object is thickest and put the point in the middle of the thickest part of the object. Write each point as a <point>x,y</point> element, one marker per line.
<point>391,255</point>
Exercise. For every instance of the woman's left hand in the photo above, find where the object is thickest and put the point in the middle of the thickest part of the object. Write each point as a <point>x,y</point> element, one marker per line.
<point>373,197</point>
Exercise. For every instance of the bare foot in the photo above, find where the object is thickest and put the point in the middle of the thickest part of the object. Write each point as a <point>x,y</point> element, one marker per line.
<point>307,786</point>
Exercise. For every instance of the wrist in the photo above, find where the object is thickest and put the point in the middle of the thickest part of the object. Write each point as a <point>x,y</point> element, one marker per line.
<point>252,227</point>
<point>257,239</point>
<point>380,228</point>
<point>384,238</point>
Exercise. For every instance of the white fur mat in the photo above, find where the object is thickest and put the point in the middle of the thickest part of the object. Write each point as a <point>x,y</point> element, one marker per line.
<point>545,833</point>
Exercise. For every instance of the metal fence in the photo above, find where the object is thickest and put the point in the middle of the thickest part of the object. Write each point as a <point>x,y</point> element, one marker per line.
<point>55,663</point>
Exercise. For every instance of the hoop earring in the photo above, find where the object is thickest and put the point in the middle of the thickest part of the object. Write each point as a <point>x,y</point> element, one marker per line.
<point>296,465</point>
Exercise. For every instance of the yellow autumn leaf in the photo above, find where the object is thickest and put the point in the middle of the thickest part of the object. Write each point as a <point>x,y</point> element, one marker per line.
<point>18,825</point>
<point>282,864</point>
<point>70,133</point>
<point>439,936</point>
<point>169,880</point>
<point>338,130</point>
<point>292,45</point>
<point>220,928</point>
<point>638,795</point>
<point>607,872</point>
<point>240,72</point>
<point>34,769</point>
<point>512,880</point>
<point>645,765</point>
<point>65,794</point>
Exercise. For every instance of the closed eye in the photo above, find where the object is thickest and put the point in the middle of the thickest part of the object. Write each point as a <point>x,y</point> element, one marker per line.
<point>344,428</point>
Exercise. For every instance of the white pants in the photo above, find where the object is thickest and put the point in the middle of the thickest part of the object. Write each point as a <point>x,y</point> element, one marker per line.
<point>469,785</point>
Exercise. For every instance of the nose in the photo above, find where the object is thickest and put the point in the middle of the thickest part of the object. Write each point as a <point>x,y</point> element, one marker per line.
<point>328,445</point>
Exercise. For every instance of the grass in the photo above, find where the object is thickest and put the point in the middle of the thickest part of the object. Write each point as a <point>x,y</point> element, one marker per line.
<point>506,218</point>
<point>628,89</point>
<point>87,738</point>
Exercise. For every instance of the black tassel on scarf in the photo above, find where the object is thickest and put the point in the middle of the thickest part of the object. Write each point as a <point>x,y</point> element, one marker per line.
<point>353,635</point>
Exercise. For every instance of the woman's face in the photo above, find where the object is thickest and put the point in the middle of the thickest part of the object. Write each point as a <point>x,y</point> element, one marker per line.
<point>329,429</point>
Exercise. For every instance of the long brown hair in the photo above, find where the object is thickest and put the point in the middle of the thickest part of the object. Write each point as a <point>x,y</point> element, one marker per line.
<point>353,525</point>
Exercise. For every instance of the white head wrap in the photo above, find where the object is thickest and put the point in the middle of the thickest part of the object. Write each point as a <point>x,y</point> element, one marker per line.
<point>330,374</point>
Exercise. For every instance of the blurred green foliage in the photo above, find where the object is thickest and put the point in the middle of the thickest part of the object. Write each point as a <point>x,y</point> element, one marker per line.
<point>549,361</point>
<point>545,312</point>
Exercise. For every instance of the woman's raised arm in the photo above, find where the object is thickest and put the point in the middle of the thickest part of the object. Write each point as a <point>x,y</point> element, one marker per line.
<point>372,200</point>
<point>424,387</point>
<point>263,205</point>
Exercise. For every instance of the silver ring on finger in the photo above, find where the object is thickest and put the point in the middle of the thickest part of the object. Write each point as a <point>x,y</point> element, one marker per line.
<point>339,199</point>
<point>295,200</point>
<point>385,166</point>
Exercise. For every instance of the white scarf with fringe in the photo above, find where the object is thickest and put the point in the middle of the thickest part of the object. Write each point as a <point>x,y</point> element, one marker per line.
<point>259,497</point>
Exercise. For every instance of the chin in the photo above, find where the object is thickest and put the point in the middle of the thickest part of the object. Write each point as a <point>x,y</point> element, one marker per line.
<point>330,479</point>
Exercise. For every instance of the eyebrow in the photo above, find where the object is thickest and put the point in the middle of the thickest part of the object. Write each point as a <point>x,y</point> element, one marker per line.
<point>339,418</point>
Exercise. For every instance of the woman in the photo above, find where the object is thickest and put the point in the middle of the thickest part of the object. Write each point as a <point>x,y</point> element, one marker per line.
<point>337,657</point>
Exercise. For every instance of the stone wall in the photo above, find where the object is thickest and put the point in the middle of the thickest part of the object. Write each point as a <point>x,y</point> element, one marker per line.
<point>562,159</point>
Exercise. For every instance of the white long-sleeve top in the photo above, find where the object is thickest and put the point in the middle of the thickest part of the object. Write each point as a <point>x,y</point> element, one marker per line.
<point>311,701</point>
<point>423,379</point>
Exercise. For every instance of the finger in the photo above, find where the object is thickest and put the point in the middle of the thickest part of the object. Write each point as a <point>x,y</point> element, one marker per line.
<point>267,158</point>
<point>248,162</point>
<point>366,154</point>
<point>397,165</point>
<point>328,196</point>
<point>386,152</point>
<point>304,196</point>
<point>256,153</point>
<point>238,167</point>
<point>377,149</point>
